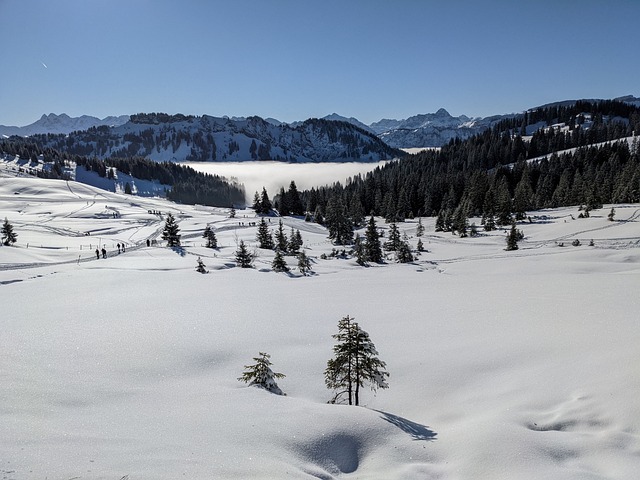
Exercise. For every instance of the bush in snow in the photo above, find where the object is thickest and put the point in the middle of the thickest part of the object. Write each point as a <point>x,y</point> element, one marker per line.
<point>261,375</point>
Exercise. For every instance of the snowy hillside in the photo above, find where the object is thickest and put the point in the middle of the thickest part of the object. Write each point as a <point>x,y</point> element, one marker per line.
<point>62,124</point>
<point>163,137</point>
<point>503,365</point>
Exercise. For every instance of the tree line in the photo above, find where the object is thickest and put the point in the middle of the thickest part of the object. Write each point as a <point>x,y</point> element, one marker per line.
<point>494,175</point>
<point>187,185</point>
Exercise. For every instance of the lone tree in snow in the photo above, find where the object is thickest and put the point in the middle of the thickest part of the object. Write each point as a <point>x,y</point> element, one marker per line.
<point>354,364</point>
<point>209,234</point>
<point>171,231</point>
<point>261,375</point>
<point>513,237</point>
<point>201,268</point>
<point>244,258</point>
<point>8,235</point>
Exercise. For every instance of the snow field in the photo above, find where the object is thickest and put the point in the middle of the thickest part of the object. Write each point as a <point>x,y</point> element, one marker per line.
<point>503,364</point>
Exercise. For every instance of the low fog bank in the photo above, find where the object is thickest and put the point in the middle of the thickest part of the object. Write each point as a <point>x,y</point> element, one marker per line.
<point>273,175</point>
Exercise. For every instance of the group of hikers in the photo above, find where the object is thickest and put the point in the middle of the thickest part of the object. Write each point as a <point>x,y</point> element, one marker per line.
<point>104,251</point>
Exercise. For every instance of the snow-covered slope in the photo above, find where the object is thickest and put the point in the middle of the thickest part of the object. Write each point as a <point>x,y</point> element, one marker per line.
<point>185,138</point>
<point>63,123</point>
<point>503,365</point>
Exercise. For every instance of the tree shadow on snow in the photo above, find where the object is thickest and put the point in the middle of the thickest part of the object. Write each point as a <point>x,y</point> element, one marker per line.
<point>416,430</point>
<point>179,250</point>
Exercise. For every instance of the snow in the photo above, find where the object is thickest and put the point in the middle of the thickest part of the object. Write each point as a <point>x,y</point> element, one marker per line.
<point>502,365</point>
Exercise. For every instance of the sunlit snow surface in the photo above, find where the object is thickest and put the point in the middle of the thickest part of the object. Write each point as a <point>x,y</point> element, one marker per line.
<point>503,365</point>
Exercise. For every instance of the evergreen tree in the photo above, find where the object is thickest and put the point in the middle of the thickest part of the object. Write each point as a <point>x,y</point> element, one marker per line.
<point>261,374</point>
<point>256,203</point>
<point>304,264</point>
<point>281,238</point>
<point>403,254</point>
<point>127,188</point>
<point>265,203</point>
<point>264,237</point>
<point>212,240</point>
<point>338,223</point>
<point>8,235</point>
<point>420,246</point>
<point>244,259</point>
<point>372,242</point>
<point>489,223</point>
<point>232,212</point>
<point>283,204</point>
<point>317,216</point>
<point>419,228</point>
<point>295,242</point>
<point>295,203</point>
<point>512,238</point>
<point>394,241</point>
<point>355,363</point>
<point>359,250</point>
<point>171,231</point>
<point>279,264</point>
<point>356,211</point>
<point>201,268</point>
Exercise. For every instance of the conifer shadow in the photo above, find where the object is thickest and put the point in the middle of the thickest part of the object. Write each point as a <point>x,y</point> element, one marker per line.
<point>179,250</point>
<point>416,430</point>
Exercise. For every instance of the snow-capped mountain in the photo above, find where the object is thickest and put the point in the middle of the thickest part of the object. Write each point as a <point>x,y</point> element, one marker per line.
<point>430,129</point>
<point>62,123</point>
<point>165,137</point>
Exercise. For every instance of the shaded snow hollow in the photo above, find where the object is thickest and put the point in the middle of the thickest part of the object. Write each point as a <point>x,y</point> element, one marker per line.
<point>503,365</point>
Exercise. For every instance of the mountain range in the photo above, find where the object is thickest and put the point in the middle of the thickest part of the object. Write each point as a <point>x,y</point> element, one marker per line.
<point>207,138</point>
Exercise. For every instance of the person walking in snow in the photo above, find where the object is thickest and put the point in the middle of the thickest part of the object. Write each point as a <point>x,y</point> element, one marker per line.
<point>97,254</point>
<point>104,252</point>
<point>118,245</point>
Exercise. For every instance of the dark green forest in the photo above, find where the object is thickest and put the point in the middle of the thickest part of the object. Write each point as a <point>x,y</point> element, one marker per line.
<point>498,175</point>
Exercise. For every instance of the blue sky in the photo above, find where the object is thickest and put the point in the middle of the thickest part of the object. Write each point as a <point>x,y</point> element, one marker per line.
<point>295,59</point>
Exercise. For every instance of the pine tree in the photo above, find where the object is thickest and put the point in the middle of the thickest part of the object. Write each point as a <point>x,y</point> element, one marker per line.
<point>355,363</point>
<point>403,254</point>
<point>512,238</point>
<point>304,264</point>
<point>264,237</point>
<point>201,268</point>
<point>244,259</point>
<point>420,246</point>
<point>394,241</point>
<point>171,231</point>
<point>265,203</point>
<point>419,228</point>
<point>279,264</point>
<point>281,238</point>
<point>232,212</point>
<point>338,223</point>
<point>372,242</point>
<point>359,250</point>
<point>295,242</point>
<point>256,203</point>
<point>8,235</point>
<point>295,204</point>
<point>209,234</point>
<point>261,374</point>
